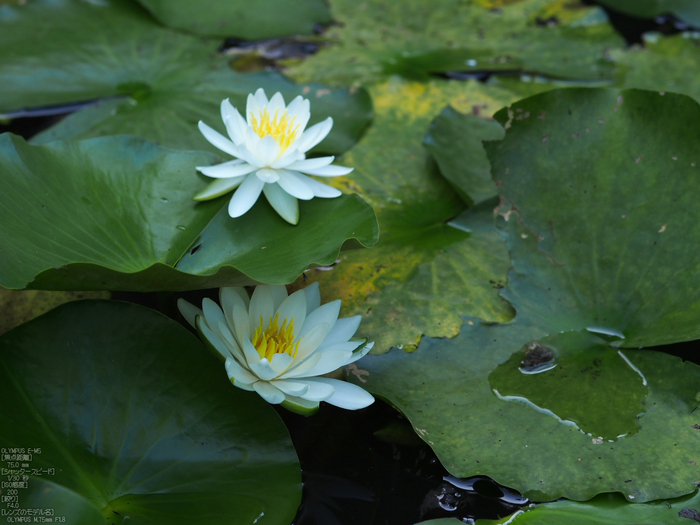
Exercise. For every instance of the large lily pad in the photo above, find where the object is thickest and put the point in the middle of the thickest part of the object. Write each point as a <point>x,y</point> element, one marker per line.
<point>138,424</point>
<point>415,39</point>
<point>604,510</point>
<point>159,83</point>
<point>662,64</point>
<point>686,10</point>
<point>597,211</point>
<point>117,213</point>
<point>241,18</point>
<point>453,131</point>
<point>410,282</point>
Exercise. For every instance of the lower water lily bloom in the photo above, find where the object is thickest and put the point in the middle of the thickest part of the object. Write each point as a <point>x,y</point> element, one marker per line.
<point>278,345</point>
<point>270,147</point>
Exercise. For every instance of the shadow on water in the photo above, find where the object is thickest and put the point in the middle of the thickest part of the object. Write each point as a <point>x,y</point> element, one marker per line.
<point>369,467</point>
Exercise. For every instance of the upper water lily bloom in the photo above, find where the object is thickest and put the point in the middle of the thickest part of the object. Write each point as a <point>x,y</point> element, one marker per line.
<point>270,147</point>
<point>278,344</point>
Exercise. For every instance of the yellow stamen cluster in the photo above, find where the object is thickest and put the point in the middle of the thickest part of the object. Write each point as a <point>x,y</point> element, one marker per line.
<point>275,339</point>
<point>281,128</point>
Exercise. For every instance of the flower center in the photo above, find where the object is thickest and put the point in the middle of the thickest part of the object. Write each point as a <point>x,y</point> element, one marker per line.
<point>275,339</point>
<point>282,128</point>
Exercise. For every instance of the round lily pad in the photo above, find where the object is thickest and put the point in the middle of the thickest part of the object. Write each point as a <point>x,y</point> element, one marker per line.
<point>126,417</point>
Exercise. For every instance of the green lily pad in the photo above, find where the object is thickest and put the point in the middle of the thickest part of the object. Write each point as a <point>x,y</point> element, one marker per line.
<point>452,131</point>
<point>147,430</point>
<point>604,510</point>
<point>598,214</point>
<point>444,390</point>
<point>662,64</point>
<point>415,39</point>
<point>600,240</point>
<point>410,282</point>
<point>158,83</point>
<point>686,10</point>
<point>117,213</point>
<point>240,18</point>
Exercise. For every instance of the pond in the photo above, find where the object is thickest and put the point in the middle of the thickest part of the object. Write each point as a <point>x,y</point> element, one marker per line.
<point>503,191</point>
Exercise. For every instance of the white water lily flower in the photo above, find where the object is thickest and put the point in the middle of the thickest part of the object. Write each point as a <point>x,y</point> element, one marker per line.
<point>270,146</point>
<point>277,345</point>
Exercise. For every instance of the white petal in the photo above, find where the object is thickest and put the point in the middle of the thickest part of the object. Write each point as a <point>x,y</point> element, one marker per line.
<point>269,393</point>
<point>320,189</point>
<point>314,135</point>
<point>277,105</point>
<point>329,171</point>
<point>310,164</point>
<point>263,370</point>
<point>343,330</point>
<point>316,391</point>
<point>289,156</point>
<point>262,308</point>
<point>241,325</point>
<point>245,196</point>
<point>328,314</point>
<point>359,354</point>
<point>311,360</point>
<point>311,341</point>
<point>234,122</point>
<point>231,343</point>
<point>233,168</point>
<point>299,108</point>
<point>350,346</point>
<point>293,388</point>
<point>280,362</point>
<point>313,297</point>
<point>230,296</point>
<point>267,175</point>
<point>217,140</point>
<point>245,151</point>
<point>261,98</point>
<point>279,294</point>
<point>267,150</point>
<point>212,338</point>
<point>188,311</point>
<point>347,395</point>
<point>218,188</point>
<point>293,185</point>
<point>236,372</point>
<point>294,307</point>
<point>253,107</point>
<point>283,203</point>
<point>213,315</point>
<point>252,356</point>
<point>330,360</point>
